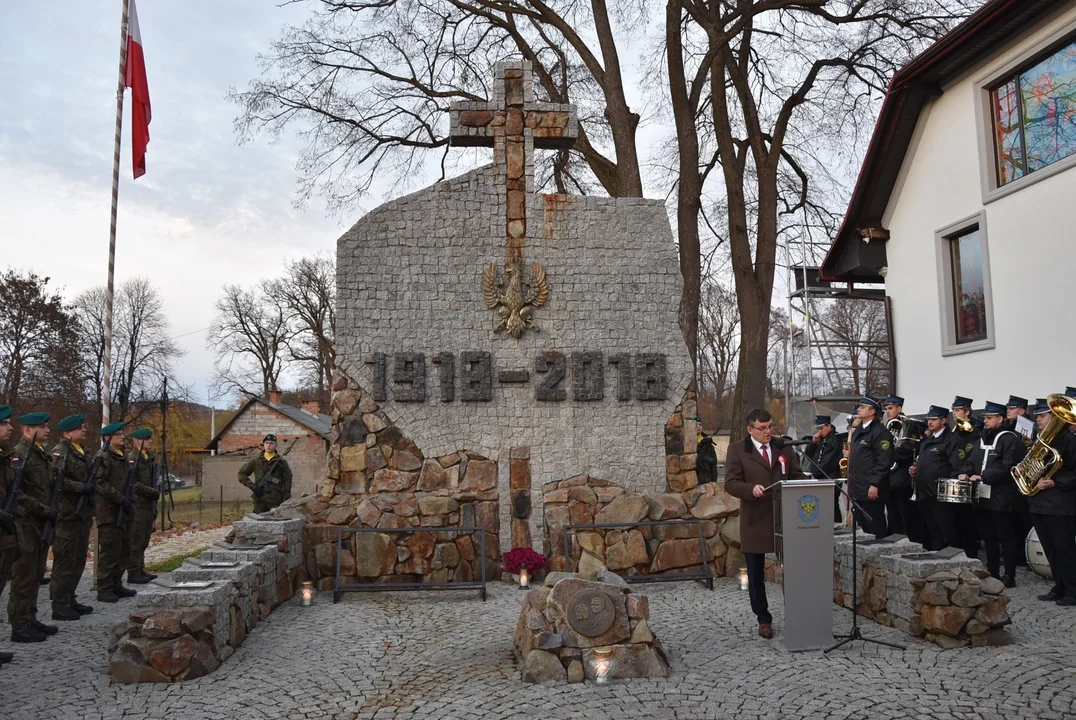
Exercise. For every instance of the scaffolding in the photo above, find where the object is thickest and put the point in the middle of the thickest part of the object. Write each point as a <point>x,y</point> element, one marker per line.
<point>821,365</point>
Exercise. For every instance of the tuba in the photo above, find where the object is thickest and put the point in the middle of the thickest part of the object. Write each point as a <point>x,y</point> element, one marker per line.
<point>1042,460</point>
<point>904,431</point>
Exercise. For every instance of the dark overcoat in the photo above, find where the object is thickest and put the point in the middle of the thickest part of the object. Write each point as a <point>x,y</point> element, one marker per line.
<point>744,469</point>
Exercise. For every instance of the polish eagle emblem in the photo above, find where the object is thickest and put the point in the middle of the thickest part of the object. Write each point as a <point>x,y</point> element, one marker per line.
<point>808,508</point>
<point>513,297</point>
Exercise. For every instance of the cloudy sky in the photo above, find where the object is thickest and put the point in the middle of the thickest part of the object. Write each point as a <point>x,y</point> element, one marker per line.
<point>207,212</point>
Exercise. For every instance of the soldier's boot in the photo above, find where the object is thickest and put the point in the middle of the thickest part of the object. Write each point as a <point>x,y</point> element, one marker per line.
<point>64,613</point>
<point>80,608</point>
<point>135,577</point>
<point>44,629</point>
<point>106,595</point>
<point>6,657</point>
<point>124,592</point>
<point>46,580</point>
<point>26,634</point>
<point>151,576</point>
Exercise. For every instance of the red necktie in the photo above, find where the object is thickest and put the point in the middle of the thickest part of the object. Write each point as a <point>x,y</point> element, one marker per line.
<point>765,456</point>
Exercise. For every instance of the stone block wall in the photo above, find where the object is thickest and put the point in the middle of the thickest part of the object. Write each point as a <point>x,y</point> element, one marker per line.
<point>248,430</point>
<point>181,633</point>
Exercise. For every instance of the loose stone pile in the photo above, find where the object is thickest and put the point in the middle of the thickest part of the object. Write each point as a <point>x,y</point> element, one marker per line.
<point>550,648</point>
<point>185,627</point>
<point>952,602</point>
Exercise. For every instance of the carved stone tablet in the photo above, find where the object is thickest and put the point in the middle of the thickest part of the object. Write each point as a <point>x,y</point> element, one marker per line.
<point>591,612</point>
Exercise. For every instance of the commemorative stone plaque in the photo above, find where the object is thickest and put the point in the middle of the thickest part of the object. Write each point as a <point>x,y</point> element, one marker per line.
<point>591,612</point>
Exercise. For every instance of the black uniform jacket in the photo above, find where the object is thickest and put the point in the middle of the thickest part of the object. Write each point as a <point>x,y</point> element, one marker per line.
<point>939,457</point>
<point>1003,449</point>
<point>870,461</point>
<point>1060,499</point>
<point>826,454</point>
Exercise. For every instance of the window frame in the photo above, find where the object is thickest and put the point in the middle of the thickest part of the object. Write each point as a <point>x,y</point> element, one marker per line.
<point>946,305</point>
<point>985,84</point>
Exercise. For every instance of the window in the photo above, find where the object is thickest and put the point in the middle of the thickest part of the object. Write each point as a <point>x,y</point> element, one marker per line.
<point>964,279</point>
<point>1034,115</point>
<point>969,291</point>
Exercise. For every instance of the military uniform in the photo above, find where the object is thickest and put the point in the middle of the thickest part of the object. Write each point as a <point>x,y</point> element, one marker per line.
<point>72,529</point>
<point>279,486</point>
<point>144,499</point>
<point>940,456</point>
<point>33,504</point>
<point>113,544</point>
<point>998,451</point>
<point>967,529</point>
<point>868,466</point>
<point>9,539</point>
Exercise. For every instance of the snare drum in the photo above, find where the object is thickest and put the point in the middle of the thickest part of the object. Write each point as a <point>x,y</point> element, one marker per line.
<point>952,490</point>
<point>1036,556</point>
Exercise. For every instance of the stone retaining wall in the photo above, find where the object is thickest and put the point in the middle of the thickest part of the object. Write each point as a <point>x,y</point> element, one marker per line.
<point>181,633</point>
<point>951,602</point>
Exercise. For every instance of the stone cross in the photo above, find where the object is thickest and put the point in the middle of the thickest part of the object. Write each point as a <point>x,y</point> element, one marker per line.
<point>513,125</point>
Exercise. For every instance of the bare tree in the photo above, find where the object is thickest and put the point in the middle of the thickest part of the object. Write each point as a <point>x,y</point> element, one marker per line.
<point>37,337</point>
<point>859,327</point>
<point>719,339</point>
<point>249,335</point>
<point>307,293</point>
<point>143,352</point>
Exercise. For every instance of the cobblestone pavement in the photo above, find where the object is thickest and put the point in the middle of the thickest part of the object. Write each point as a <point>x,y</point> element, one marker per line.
<point>448,655</point>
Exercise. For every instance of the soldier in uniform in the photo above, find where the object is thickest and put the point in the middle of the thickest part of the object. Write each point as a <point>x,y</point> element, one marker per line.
<point>869,461</point>
<point>941,455</point>
<point>113,546</point>
<point>9,538</point>
<point>73,525</point>
<point>1053,510</point>
<point>998,501</point>
<point>33,511</point>
<point>278,487</point>
<point>145,501</point>
<point>824,457</point>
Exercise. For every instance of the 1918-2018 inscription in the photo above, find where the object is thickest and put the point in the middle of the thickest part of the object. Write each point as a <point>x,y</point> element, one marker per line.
<point>469,376</point>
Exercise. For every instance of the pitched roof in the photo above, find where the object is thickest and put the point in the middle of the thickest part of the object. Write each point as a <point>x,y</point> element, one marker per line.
<point>996,22</point>
<point>320,423</point>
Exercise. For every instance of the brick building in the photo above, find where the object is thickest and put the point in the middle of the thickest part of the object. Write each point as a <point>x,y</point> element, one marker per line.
<point>242,435</point>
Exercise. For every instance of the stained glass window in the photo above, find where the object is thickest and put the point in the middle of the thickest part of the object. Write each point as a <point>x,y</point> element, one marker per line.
<point>969,287</point>
<point>1035,115</point>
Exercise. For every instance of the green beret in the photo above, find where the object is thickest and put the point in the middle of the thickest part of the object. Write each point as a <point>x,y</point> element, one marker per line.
<point>142,434</point>
<point>5,412</point>
<point>269,437</point>
<point>34,418</point>
<point>71,422</point>
<point>112,429</point>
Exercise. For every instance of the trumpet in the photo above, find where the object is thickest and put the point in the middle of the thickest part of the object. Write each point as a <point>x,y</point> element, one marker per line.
<point>1042,460</point>
<point>963,425</point>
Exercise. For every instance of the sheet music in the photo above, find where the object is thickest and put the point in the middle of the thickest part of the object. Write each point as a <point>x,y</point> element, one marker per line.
<point>1025,427</point>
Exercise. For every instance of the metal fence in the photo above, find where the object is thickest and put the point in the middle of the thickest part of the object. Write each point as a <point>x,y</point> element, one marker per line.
<point>704,577</point>
<point>340,588</point>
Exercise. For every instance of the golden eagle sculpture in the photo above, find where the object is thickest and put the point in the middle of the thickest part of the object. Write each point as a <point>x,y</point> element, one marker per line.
<point>516,306</point>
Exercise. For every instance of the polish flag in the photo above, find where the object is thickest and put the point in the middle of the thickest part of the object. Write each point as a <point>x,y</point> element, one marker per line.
<point>136,80</point>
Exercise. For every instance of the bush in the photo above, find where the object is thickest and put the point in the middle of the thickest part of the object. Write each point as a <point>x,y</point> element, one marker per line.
<point>519,557</point>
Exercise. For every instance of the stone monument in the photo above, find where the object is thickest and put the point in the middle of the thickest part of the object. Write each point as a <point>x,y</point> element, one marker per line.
<point>492,341</point>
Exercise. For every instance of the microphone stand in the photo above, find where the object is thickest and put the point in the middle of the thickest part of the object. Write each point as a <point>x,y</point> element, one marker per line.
<point>854,633</point>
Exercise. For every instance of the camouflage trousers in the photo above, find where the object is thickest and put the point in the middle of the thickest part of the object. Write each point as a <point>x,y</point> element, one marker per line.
<point>68,560</point>
<point>267,502</point>
<point>113,552</point>
<point>25,575</point>
<point>141,529</point>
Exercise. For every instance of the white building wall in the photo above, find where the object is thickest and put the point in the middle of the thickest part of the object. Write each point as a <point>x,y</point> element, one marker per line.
<point>1031,243</point>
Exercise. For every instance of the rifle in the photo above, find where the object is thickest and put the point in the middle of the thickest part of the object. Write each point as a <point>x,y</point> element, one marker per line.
<point>262,486</point>
<point>91,483</point>
<point>48,530</point>
<point>128,490</point>
<point>16,482</point>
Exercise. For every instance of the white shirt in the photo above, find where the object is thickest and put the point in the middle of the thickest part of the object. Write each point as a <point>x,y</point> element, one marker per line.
<point>769,448</point>
<point>866,423</point>
<point>939,433</point>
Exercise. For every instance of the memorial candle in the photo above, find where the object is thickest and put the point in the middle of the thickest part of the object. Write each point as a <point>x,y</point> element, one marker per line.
<point>743,578</point>
<point>524,577</point>
<point>306,593</point>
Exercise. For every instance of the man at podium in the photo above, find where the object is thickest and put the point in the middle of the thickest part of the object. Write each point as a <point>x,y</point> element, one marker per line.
<point>751,468</point>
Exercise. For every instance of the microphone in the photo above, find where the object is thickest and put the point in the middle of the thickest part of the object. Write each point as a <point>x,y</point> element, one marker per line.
<point>782,443</point>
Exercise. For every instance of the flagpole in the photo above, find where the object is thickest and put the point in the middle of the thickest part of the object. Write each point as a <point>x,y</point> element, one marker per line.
<point>110,288</point>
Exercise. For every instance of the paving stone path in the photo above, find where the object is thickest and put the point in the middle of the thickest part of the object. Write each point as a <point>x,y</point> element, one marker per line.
<point>448,655</point>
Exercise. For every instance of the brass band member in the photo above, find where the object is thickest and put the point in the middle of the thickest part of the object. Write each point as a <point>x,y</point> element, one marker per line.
<point>989,463</point>
<point>941,455</point>
<point>962,412</point>
<point>903,517</point>
<point>1053,510</point>
<point>825,451</point>
<point>869,461</point>
<point>967,529</point>
<point>1015,411</point>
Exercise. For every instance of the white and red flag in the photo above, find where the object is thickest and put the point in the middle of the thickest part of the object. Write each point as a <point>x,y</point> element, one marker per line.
<point>136,80</point>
